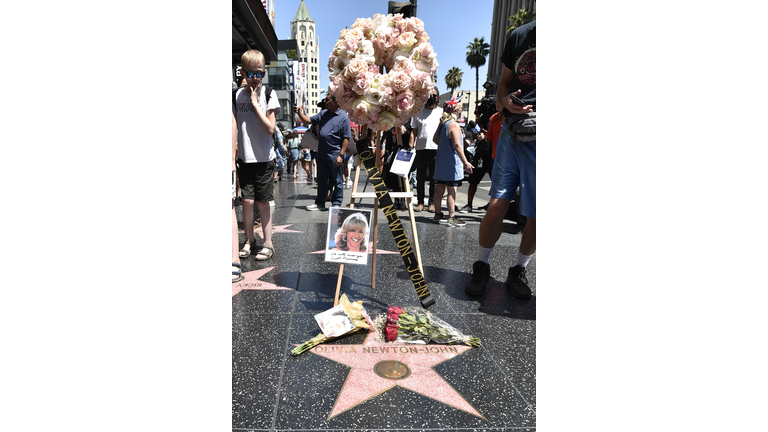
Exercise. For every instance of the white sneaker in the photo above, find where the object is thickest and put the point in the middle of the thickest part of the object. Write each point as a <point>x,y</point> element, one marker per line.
<point>271,203</point>
<point>313,207</point>
<point>349,184</point>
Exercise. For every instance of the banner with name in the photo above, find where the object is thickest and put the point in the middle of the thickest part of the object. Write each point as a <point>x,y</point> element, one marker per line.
<point>395,226</point>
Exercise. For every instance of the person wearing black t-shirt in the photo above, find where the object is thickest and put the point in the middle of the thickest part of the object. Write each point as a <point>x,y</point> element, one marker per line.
<point>515,165</point>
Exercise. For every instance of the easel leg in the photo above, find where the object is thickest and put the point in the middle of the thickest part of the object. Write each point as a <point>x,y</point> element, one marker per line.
<point>338,284</point>
<point>406,186</point>
<point>375,226</point>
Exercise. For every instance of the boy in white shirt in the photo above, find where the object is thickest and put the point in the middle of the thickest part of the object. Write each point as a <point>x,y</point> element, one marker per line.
<point>256,153</point>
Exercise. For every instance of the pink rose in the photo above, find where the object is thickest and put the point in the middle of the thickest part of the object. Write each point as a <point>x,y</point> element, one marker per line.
<point>373,115</point>
<point>360,108</point>
<point>363,82</point>
<point>403,64</point>
<point>433,65</point>
<point>422,37</point>
<point>347,99</point>
<point>364,24</point>
<point>405,101</point>
<point>421,80</point>
<point>385,40</point>
<point>350,45</point>
<point>339,87</point>
<point>400,81</point>
<point>426,49</point>
<point>417,24</point>
<point>387,95</point>
<point>405,41</point>
<point>355,66</point>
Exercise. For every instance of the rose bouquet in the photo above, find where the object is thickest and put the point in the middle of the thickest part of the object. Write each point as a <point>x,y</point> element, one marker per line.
<point>345,318</point>
<point>370,97</point>
<point>417,325</point>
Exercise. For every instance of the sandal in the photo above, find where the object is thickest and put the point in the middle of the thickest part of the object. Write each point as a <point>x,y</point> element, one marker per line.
<point>245,252</point>
<point>263,256</point>
<point>238,272</point>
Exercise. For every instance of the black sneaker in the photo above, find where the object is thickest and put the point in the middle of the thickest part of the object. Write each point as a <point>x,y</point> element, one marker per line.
<point>481,274</point>
<point>517,282</point>
<point>483,208</point>
<point>466,209</point>
<point>438,219</point>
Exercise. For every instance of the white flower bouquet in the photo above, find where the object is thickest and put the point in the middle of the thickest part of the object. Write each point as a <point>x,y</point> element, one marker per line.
<point>370,97</point>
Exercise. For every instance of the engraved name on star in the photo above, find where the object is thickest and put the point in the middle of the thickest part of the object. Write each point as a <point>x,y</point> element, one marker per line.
<point>252,282</point>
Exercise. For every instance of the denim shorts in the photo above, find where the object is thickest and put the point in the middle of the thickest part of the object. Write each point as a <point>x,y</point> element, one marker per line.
<point>294,154</point>
<point>515,166</point>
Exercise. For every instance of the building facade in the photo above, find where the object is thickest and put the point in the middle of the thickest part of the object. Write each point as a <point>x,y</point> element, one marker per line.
<point>502,10</point>
<point>252,28</point>
<point>303,31</point>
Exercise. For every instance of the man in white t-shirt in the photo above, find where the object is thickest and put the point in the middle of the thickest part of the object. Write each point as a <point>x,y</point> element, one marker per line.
<point>256,152</point>
<point>423,127</point>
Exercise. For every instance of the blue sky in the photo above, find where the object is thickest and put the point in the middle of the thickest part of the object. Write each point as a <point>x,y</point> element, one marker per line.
<point>451,25</point>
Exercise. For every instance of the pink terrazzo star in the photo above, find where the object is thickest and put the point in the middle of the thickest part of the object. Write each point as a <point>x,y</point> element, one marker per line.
<point>275,229</point>
<point>363,383</point>
<point>252,282</point>
<point>370,250</point>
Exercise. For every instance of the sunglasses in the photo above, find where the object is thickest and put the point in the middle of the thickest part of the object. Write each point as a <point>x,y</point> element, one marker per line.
<point>257,74</point>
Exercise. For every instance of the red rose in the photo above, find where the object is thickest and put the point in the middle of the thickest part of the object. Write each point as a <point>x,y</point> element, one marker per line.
<point>391,333</point>
<point>395,309</point>
<point>392,318</point>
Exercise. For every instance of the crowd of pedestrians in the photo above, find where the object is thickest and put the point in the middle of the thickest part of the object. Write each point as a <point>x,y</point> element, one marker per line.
<point>504,148</point>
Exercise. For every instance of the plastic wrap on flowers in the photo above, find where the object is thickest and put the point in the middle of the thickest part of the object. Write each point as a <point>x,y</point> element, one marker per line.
<point>416,325</point>
<point>382,100</point>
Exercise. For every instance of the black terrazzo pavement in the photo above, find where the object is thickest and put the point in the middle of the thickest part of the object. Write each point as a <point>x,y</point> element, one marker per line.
<point>274,391</point>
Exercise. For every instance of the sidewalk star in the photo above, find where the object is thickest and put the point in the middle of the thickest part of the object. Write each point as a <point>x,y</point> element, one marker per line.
<point>363,383</point>
<point>252,282</point>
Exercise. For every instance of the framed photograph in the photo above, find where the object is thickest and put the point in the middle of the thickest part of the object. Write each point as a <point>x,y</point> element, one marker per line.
<point>348,235</point>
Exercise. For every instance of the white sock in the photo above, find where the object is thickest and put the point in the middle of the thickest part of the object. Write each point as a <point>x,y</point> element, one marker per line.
<point>523,259</point>
<point>483,254</point>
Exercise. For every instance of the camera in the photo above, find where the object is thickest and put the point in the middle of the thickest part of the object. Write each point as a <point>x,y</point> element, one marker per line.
<point>321,104</point>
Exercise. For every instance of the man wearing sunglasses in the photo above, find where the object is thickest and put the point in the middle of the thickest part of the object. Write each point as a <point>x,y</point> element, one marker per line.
<point>256,152</point>
<point>331,146</point>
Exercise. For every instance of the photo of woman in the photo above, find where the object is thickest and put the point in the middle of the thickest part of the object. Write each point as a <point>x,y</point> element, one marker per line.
<point>353,234</point>
<point>348,234</point>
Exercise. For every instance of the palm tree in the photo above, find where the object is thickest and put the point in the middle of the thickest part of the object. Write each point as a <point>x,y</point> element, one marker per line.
<point>477,52</point>
<point>453,78</point>
<point>522,16</point>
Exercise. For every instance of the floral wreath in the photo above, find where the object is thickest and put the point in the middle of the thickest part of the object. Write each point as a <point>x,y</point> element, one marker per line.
<point>370,97</point>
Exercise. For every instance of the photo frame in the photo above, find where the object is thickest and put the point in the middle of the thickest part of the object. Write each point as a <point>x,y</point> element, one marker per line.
<point>348,236</point>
